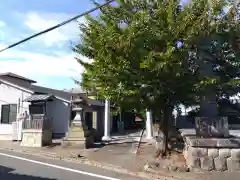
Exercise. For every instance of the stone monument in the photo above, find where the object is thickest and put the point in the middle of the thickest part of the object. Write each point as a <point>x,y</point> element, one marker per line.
<point>211,148</point>
<point>79,133</point>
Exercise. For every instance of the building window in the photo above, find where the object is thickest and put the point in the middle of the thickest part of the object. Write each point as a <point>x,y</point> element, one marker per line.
<point>8,113</point>
<point>36,109</point>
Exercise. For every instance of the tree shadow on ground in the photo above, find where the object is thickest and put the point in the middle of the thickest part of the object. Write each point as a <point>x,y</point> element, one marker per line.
<point>5,173</point>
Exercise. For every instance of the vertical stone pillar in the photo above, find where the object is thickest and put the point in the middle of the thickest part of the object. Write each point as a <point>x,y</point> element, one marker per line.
<point>208,102</point>
<point>100,120</point>
<point>107,122</point>
<point>149,125</point>
<point>94,119</point>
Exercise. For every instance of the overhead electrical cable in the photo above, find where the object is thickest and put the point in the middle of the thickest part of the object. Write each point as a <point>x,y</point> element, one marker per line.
<point>57,26</point>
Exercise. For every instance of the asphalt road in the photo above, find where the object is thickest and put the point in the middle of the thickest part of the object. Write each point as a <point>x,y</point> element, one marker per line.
<point>17,166</point>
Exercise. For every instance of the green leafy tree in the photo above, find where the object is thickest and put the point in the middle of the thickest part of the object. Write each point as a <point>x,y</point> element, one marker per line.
<point>137,60</point>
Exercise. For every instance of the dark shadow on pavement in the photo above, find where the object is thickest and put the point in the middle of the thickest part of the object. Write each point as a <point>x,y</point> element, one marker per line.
<point>121,144</point>
<point>6,174</point>
<point>117,144</point>
<point>54,144</point>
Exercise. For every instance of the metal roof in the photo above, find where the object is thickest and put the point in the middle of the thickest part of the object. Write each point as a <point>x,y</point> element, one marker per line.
<point>39,97</point>
<point>55,92</point>
<point>17,76</point>
<point>44,91</point>
<point>36,89</point>
<point>94,102</point>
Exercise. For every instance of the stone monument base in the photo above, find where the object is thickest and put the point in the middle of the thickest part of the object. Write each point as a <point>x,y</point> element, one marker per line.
<point>212,154</point>
<point>207,127</point>
<point>79,137</point>
<point>36,138</point>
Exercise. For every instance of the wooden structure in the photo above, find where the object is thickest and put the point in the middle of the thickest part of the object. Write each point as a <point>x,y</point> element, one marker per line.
<point>37,130</point>
<point>37,122</point>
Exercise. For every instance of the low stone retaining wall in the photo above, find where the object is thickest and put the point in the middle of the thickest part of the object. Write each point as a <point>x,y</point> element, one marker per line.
<point>212,154</point>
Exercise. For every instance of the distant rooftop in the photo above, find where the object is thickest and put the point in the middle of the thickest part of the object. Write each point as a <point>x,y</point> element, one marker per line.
<point>34,88</point>
<point>75,90</point>
<point>17,76</point>
<point>44,92</point>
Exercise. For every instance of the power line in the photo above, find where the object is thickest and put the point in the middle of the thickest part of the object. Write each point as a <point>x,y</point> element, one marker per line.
<point>57,26</point>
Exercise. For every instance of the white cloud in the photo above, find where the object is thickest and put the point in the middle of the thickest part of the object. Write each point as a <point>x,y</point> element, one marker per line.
<point>2,24</point>
<point>33,62</point>
<point>2,46</point>
<point>43,65</point>
<point>41,21</point>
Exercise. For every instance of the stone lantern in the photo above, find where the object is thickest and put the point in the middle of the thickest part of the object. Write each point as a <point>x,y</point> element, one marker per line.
<point>78,104</point>
<point>79,133</point>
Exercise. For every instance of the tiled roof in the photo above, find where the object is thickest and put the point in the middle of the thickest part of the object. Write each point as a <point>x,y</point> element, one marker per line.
<point>39,97</point>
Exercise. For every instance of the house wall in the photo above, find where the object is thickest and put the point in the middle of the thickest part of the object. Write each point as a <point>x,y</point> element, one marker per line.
<point>59,111</point>
<point>6,132</point>
<point>11,95</point>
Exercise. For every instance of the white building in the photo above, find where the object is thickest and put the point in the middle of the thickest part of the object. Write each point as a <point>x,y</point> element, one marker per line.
<point>15,89</point>
<point>20,95</point>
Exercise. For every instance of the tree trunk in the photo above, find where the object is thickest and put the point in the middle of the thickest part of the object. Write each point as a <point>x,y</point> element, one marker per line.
<point>167,114</point>
<point>161,120</point>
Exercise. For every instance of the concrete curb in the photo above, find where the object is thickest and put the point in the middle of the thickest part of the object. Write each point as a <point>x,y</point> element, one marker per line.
<point>169,177</point>
<point>110,167</point>
<point>148,174</point>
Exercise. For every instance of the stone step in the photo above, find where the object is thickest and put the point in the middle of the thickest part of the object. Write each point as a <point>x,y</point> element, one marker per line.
<point>76,134</point>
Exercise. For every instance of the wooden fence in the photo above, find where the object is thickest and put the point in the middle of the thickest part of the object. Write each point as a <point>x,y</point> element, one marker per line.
<point>39,124</point>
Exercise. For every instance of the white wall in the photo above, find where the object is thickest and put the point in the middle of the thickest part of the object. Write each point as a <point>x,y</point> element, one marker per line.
<point>6,129</point>
<point>59,111</point>
<point>11,95</point>
<point>6,132</point>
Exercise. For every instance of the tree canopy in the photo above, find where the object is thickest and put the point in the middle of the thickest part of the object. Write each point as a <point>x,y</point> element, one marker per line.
<point>148,54</point>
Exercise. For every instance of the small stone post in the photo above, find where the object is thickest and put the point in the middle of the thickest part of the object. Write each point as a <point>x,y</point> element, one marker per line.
<point>107,125</point>
<point>149,125</point>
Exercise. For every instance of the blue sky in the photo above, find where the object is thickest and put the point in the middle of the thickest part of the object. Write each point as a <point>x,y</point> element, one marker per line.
<point>47,59</point>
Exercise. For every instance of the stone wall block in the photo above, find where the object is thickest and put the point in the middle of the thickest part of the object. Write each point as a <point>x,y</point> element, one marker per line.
<point>233,165</point>
<point>198,152</point>
<point>235,154</point>
<point>220,163</point>
<point>193,162</point>
<point>207,163</point>
<point>213,153</point>
<point>185,154</point>
<point>32,139</point>
<point>225,153</point>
